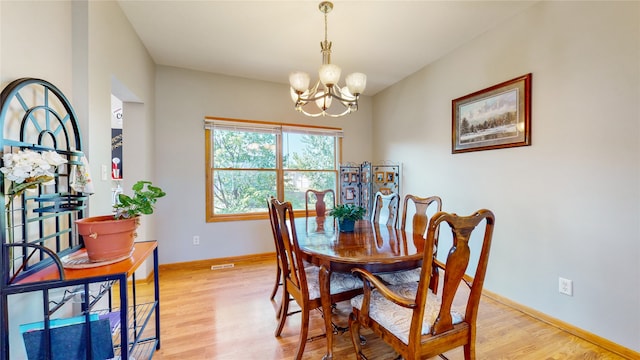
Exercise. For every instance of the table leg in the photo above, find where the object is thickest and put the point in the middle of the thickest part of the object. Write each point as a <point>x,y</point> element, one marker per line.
<point>325,298</point>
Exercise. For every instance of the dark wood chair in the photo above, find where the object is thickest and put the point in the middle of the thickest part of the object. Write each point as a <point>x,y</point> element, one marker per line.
<point>319,199</point>
<point>423,207</point>
<point>417,323</point>
<point>302,283</point>
<point>278,283</point>
<point>385,209</point>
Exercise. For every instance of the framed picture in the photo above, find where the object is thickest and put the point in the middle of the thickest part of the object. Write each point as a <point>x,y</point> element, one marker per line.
<point>493,118</point>
<point>380,177</point>
<point>350,193</point>
<point>389,176</point>
<point>354,177</point>
<point>345,177</point>
<point>385,191</point>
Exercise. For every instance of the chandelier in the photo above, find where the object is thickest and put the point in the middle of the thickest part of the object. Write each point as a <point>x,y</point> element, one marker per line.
<point>326,91</point>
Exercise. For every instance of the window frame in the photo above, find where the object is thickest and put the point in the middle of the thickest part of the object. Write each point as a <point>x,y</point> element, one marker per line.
<point>209,123</point>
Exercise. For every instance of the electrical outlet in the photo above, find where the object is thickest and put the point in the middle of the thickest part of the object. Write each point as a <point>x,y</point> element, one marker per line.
<point>565,286</point>
<point>196,240</point>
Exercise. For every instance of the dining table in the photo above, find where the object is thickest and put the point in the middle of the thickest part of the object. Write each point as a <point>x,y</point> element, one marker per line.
<point>378,248</point>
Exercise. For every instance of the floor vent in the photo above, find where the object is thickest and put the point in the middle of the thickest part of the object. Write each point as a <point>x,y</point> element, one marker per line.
<point>221,266</point>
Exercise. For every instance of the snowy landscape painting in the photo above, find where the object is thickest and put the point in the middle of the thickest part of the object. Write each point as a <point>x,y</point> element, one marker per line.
<point>496,117</point>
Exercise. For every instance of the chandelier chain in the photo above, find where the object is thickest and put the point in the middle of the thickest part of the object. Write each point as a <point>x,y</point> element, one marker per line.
<point>325,27</point>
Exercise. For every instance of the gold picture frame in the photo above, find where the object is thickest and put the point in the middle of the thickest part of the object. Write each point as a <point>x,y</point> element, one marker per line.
<point>389,176</point>
<point>493,118</point>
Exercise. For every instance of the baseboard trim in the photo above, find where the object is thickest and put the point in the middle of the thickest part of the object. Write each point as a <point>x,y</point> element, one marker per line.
<point>584,335</point>
<point>206,264</point>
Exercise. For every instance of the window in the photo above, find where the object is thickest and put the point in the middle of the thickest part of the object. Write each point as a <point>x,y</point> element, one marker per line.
<point>248,161</point>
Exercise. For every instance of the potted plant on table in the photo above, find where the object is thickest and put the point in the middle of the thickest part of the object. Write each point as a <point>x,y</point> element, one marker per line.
<point>111,237</point>
<point>347,215</point>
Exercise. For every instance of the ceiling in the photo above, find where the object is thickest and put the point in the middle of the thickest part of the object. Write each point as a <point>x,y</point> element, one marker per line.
<point>266,40</point>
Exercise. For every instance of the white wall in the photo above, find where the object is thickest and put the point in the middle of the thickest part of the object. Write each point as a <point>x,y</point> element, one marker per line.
<point>183,99</point>
<point>81,46</point>
<point>21,47</point>
<point>119,63</point>
<point>88,47</point>
<point>569,205</point>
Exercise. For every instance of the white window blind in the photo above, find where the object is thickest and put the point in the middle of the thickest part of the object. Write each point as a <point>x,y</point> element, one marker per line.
<point>266,128</point>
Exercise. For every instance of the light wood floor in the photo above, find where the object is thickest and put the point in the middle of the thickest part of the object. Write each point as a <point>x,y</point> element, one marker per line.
<point>226,314</point>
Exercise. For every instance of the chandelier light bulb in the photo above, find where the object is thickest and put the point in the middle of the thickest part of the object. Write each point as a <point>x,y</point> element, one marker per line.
<point>329,74</point>
<point>356,83</point>
<point>299,81</point>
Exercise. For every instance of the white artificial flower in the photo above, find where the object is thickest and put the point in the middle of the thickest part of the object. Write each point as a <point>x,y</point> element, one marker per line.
<point>28,164</point>
<point>53,158</point>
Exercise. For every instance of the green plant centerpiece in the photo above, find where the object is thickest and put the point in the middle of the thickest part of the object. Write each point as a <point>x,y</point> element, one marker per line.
<point>347,215</point>
<point>110,238</point>
<point>144,197</point>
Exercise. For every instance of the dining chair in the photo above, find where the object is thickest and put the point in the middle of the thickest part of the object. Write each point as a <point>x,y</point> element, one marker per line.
<point>302,283</point>
<point>422,208</point>
<point>385,209</point>
<point>417,323</point>
<point>278,283</point>
<point>318,198</point>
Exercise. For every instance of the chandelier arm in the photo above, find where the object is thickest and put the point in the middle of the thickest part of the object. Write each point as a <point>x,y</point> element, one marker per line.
<point>325,113</point>
<point>348,108</point>
<point>345,112</point>
<point>338,95</point>
<point>330,91</point>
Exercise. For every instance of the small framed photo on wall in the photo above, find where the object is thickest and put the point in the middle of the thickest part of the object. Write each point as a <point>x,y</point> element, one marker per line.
<point>364,177</point>
<point>389,176</point>
<point>350,193</point>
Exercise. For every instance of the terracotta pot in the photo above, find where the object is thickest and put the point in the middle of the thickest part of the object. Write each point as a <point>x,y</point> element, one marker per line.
<point>107,239</point>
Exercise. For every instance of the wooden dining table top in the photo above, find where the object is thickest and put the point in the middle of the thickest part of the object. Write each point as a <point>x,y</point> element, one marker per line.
<point>375,247</point>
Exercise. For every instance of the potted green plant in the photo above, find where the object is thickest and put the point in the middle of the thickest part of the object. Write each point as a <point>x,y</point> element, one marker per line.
<point>111,237</point>
<point>347,215</point>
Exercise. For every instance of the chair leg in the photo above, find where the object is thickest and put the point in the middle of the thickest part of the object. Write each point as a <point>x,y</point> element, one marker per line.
<point>354,328</point>
<point>304,333</point>
<point>284,310</point>
<point>277,284</point>
<point>469,351</point>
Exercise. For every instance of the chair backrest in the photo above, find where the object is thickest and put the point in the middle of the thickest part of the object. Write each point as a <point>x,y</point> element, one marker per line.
<point>320,200</point>
<point>385,209</point>
<point>272,217</point>
<point>420,218</point>
<point>294,276</point>
<point>272,220</point>
<point>455,267</point>
<point>424,206</point>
